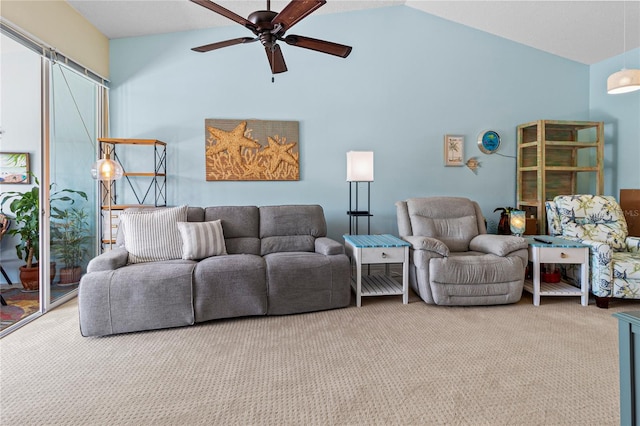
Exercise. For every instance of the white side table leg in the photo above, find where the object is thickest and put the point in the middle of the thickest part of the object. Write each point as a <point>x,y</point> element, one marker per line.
<point>358,279</point>
<point>584,282</point>
<point>405,277</point>
<point>536,278</point>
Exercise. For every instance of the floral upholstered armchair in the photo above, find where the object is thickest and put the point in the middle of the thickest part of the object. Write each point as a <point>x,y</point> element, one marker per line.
<point>598,221</point>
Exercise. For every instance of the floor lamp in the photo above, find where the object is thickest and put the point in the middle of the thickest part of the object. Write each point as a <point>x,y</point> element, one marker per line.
<point>359,169</point>
<point>107,170</point>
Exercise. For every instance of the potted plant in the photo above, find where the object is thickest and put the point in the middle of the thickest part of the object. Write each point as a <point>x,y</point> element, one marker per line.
<point>25,207</point>
<point>70,235</point>
<point>503,225</point>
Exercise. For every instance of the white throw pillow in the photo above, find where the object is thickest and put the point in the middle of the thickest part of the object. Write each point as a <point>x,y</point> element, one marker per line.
<point>153,236</point>
<point>201,239</point>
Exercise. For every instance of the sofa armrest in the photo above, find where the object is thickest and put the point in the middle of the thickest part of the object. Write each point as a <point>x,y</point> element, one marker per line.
<point>428,244</point>
<point>500,245</point>
<point>633,244</point>
<point>328,247</point>
<point>109,260</point>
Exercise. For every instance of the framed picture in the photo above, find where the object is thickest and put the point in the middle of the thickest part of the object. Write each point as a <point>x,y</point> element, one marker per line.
<point>453,150</point>
<point>14,168</point>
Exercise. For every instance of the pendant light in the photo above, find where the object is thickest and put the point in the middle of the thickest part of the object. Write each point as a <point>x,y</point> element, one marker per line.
<point>625,80</point>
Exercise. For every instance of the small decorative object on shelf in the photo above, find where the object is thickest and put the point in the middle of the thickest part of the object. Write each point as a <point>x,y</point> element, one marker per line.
<point>517,222</point>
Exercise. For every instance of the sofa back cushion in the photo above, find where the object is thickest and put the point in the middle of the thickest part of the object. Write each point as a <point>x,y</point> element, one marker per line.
<point>240,225</point>
<point>291,228</point>
<point>153,235</point>
<point>452,220</point>
<point>194,214</point>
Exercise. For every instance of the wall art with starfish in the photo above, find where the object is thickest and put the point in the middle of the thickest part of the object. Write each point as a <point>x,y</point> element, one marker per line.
<point>251,150</point>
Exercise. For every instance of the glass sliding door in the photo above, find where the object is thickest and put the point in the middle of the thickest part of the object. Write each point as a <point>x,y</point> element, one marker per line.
<point>52,112</point>
<point>20,134</point>
<point>73,134</point>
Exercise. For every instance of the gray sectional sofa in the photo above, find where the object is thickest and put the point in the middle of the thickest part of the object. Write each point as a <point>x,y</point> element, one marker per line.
<point>278,261</point>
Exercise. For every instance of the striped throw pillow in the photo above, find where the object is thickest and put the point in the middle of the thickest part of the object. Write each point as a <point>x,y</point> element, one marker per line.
<point>153,236</point>
<point>201,239</point>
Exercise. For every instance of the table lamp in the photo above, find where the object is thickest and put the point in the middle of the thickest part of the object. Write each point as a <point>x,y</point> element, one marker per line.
<point>517,222</point>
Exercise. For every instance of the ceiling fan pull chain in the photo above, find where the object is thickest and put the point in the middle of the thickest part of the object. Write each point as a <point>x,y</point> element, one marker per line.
<point>273,79</point>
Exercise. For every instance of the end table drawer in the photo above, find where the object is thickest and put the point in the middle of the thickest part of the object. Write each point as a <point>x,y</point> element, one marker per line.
<point>563,255</point>
<point>383,255</point>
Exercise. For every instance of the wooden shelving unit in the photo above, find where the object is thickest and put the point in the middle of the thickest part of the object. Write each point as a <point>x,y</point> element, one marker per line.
<point>154,182</point>
<point>557,158</point>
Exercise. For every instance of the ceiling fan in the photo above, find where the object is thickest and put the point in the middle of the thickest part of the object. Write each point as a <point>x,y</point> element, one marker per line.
<point>269,27</point>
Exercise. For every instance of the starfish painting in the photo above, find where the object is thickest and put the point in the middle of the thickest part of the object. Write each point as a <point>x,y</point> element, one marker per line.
<point>279,153</point>
<point>232,141</point>
<point>251,150</point>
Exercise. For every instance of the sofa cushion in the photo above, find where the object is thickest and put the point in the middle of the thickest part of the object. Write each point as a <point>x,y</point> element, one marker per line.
<point>201,239</point>
<point>306,282</point>
<point>240,225</point>
<point>154,235</point>
<point>291,228</point>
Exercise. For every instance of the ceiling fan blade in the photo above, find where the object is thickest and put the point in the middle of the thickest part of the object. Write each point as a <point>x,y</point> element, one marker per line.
<point>221,44</point>
<point>276,60</point>
<point>293,12</point>
<point>227,14</point>
<point>318,45</point>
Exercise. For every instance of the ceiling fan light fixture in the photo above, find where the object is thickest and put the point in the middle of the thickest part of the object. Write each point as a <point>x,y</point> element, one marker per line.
<point>624,81</point>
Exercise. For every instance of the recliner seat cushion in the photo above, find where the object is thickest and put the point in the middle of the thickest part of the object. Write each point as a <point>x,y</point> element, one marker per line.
<point>141,296</point>
<point>476,280</point>
<point>229,286</point>
<point>306,282</point>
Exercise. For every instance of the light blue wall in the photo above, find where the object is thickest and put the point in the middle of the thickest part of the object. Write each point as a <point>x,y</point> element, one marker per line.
<point>621,114</point>
<point>411,79</point>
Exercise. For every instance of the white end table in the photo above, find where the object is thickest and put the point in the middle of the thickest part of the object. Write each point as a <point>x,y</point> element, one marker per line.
<point>378,249</point>
<point>547,249</point>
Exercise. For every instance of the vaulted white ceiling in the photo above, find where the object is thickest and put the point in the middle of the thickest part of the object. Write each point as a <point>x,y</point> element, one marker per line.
<point>583,31</point>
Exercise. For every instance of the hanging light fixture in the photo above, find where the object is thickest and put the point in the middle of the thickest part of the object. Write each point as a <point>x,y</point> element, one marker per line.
<point>625,80</point>
<point>107,170</point>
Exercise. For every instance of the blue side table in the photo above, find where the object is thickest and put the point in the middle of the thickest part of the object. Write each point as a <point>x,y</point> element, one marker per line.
<point>629,346</point>
<point>378,249</point>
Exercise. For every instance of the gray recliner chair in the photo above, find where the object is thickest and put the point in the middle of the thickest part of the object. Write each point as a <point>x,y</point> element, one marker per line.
<point>453,261</point>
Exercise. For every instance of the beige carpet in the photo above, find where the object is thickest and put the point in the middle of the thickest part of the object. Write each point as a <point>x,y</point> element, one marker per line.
<point>383,363</point>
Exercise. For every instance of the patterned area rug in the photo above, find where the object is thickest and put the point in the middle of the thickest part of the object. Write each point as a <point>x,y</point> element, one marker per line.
<point>21,304</point>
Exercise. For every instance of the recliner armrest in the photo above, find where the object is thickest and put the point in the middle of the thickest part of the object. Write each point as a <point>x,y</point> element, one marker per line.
<point>633,244</point>
<point>328,247</point>
<point>427,243</point>
<point>108,261</point>
<point>500,245</point>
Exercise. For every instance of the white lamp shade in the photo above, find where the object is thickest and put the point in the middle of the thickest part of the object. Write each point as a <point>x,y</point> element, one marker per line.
<point>623,81</point>
<point>106,169</point>
<point>360,166</point>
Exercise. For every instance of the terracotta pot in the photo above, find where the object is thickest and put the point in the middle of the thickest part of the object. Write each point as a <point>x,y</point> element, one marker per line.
<point>30,277</point>
<point>70,275</point>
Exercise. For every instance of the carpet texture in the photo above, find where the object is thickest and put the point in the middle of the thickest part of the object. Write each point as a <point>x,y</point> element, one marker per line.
<point>384,363</point>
